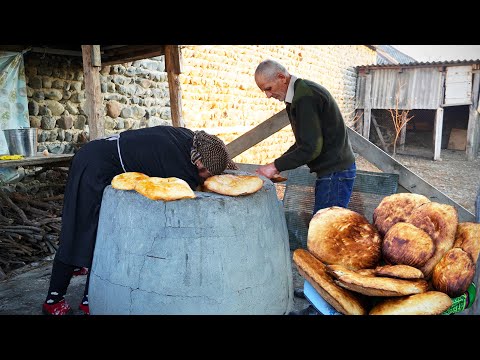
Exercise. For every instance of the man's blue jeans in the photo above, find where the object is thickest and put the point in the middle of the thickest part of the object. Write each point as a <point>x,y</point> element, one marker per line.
<point>334,189</point>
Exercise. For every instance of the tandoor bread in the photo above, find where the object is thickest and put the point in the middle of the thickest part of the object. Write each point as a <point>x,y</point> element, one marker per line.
<point>341,236</point>
<point>454,272</point>
<point>375,285</point>
<point>233,185</point>
<point>127,180</point>
<point>396,208</point>
<point>440,222</point>
<point>406,244</point>
<point>399,271</point>
<point>427,303</point>
<point>468,238</point>
<point>166,189</point>
<point>313,270</point>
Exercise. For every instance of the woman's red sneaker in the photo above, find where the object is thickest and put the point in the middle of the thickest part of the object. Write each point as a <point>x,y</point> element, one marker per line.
<point>59,308</point>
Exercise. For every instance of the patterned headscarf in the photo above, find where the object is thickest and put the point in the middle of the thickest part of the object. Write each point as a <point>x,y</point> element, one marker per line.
<point>212,152</point>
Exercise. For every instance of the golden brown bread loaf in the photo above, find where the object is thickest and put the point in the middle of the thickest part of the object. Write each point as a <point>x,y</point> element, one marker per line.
<point>341,236</point>
<point>375,285</point>
<point>440,222</point>
<point>407,244</point>
<point>396,208</point>
<point>454,272</point>
<point>127,180</point>
<point>233,185</point>
<point>313,270</point>
<point>166,189</point>
<point>468,239</point>
<point>399,271</point>
<point>427,303</point>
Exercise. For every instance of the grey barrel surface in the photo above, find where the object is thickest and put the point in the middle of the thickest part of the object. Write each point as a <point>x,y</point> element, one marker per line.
<point>213,254</point>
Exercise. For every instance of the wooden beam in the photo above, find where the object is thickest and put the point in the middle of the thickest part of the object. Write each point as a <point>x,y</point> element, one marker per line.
<point>258,133</point>
<point>172,65</point>
<point>473,128</point>
<point>93,95</point>
<point>408,179</point>
<point>118,54</point>
<point>437,134</point>
<point>367,106</point>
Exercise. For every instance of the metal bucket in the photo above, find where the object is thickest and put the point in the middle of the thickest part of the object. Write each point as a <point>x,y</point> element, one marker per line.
<point>21,141</point>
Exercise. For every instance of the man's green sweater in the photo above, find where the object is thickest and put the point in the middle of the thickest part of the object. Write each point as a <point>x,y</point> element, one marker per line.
<point>321,139</point>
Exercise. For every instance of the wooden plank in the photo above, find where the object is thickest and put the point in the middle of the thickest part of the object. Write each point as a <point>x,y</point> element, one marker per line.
<point>172,65</point>
<point>96,57</point>
<point>473,128</point>
<point>258,133</point>
<point>407,179</point>
<point>437,134</point>
<point>379,133</point>
<point>93,96</point>
<point>40,160</point>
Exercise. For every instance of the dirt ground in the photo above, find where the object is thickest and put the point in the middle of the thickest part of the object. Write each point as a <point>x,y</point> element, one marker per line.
<point>453,175</point>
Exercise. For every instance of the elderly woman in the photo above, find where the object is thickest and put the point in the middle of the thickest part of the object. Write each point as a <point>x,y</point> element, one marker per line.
<point>160,151</point>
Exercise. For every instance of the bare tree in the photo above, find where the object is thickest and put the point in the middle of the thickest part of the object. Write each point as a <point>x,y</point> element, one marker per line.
<point>400,118</point>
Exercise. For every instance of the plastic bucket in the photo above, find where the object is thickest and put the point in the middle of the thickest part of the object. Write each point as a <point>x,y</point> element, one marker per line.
<point>21,141</point>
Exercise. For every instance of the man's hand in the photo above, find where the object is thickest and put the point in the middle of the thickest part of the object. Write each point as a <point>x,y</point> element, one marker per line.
<point>267,170</point>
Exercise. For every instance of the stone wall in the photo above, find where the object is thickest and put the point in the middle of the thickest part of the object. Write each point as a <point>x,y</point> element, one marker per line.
<point>219,93</point>
<point>134,95</point>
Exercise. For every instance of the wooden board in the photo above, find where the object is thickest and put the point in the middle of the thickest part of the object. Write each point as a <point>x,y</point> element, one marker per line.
<point>457,140</point>
<point>39,160</point>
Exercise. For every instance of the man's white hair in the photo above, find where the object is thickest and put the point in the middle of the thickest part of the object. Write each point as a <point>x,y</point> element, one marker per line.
<point>269,69</point>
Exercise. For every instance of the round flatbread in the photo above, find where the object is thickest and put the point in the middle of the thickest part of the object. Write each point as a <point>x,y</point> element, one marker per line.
<point>341,236</point>
<point>166,189</point>
<point>375,285</point>
<point>233,185</point>
<point>440,222</point>
<point>313,270</point>
<point>454,272</point>
<point>396,208</point>
<point>127,180</point>
<point>406,244</point>
<point>427,303</point>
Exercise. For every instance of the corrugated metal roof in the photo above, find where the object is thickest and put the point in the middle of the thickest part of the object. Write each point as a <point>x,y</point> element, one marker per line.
<point>393,53</point>
<point>422,64</point>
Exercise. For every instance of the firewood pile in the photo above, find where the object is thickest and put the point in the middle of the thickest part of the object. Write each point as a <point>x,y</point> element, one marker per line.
<point>30,218</point>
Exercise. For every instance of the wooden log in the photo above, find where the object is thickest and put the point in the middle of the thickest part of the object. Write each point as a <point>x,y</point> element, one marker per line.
<point>172,65</point>
<point>93,93</point>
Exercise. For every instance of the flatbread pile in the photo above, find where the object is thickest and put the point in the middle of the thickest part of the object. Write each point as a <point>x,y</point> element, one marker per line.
<point>413,260</point>
<point>233,185</point>
<point>154,188</point>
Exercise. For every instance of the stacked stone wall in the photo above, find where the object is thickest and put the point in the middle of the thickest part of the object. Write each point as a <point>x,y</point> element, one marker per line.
<point>218,90</point>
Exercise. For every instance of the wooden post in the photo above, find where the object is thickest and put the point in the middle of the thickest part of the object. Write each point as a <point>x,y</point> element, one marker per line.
<point>473,129</point>
<point>93,96</point>
<point>403,131</point>
<point>172,65</point>
<point>437,134</point>
<point>368,107</point>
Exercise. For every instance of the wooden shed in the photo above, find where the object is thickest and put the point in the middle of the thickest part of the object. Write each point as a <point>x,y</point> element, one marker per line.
<point>441,98</point>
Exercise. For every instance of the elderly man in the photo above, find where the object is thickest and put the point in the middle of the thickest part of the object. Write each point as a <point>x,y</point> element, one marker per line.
<point>160,151</point>
<point>321,138</point>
